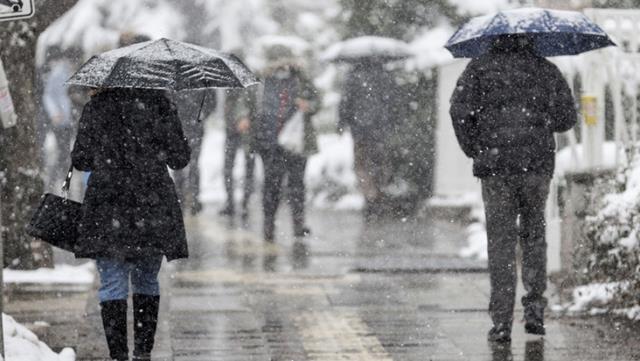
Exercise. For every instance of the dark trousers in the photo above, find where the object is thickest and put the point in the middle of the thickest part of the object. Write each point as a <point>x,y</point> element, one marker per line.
<point>279,163</point>
<point>232,144</point>
<point>188,180</point>
<point>63,137</point>
<point>514,208</point>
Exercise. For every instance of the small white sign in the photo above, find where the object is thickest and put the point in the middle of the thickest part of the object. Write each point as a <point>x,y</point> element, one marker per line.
<point>16,9</point>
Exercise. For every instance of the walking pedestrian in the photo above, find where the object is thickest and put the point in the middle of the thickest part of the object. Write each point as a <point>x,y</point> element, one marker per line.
<point>239,110</point>
<point>505,109</point>
<point>367,108</point>
<point>286,92</point>
<point>58,107</point>
<point>187,180</point>
<point>131,217</point>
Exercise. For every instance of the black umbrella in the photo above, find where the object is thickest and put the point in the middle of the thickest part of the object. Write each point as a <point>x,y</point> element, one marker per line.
<point>164,64</point>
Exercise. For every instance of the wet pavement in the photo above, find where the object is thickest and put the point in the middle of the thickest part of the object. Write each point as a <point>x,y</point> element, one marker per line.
<point>392,290</point>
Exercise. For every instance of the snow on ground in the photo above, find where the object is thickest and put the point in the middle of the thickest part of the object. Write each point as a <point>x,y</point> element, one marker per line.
<point>476,247</point>
<point>476,242</point>
<point>571,159</point>
<point>61,274</point>
<point>595,299</point>
<point>23,345</point>
<point>593,296</point>
<point>330,179</point>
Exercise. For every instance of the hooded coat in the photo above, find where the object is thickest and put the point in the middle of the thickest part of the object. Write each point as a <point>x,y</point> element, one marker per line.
<point>126,139</point>
<point>506,106</point>
<point>283,84</point>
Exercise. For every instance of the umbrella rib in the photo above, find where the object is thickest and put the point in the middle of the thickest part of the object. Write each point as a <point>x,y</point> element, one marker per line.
<point>494,19</point>
<point>165,42</point>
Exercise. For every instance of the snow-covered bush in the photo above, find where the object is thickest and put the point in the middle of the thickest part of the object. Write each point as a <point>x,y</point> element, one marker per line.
<point>610,252</point>
<point>23,345</point>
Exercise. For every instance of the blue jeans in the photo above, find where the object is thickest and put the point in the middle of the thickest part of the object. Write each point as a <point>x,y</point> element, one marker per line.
<point>114,277</point>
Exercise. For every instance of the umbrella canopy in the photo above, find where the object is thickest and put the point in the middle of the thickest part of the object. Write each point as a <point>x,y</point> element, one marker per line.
<point>553,32</point>
<point>367,47</point>
<point>164,64</point>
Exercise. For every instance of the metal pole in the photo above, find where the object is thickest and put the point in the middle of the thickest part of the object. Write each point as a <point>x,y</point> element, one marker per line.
<point>1,282</point>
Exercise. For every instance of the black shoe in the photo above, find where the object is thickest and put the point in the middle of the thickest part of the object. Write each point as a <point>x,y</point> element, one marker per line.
<point>114,321</point>
<point>535,328</point>
<point>303,232</point>
<point>196,208</point>
<point>244,217</point>
<point>145,317</point>
<point>227,211</point>
<point>534,320</point>
<point>500,334</point>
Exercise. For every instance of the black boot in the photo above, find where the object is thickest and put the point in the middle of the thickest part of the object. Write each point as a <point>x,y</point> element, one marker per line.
<point>534,320</point>
<point>114,320</point>
<point>145,318</point>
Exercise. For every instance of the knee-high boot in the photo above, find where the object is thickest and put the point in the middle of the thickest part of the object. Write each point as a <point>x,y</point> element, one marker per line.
<point>114,321</point>
<point>145,318</point>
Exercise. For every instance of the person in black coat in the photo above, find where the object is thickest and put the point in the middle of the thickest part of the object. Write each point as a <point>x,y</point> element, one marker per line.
<point>505,110</point>
<point>287,91</point>
<point>367,108</point>
<point>131,216</point>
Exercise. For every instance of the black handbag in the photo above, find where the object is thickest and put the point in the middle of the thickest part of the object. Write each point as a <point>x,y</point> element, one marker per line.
<point>57,218</point>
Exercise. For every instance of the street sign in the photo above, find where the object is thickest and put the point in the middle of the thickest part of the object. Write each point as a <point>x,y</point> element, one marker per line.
<point>16,9</point>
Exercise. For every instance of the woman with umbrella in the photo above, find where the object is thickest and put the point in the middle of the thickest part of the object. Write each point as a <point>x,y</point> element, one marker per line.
<point>129,133</point>
<point>507,106</point>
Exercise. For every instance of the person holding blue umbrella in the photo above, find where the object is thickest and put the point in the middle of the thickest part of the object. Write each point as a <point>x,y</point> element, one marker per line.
<point>505,109</point>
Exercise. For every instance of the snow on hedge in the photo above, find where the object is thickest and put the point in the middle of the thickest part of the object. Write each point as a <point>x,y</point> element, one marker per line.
<point>475,7</point>
<point>429,49</point>
<point>23,345</point>
<point>96,25</point>
<point>608,255</point>
<point>61,274</point>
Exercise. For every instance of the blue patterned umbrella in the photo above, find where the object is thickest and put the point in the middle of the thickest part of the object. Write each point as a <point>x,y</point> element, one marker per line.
<point>553,32</point>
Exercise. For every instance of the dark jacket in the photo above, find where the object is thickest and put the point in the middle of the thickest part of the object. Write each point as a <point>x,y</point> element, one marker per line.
<point>282,86</point>
<point>367,103</point>
<point>238,104</point>
<point>505,109</point>
<point>126,139</point>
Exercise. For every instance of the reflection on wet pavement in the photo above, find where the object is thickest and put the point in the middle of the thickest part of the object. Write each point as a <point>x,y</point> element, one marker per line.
<point>387,291</point>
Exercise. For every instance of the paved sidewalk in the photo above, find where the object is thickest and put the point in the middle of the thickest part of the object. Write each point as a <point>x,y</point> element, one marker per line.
<point>389,291</point>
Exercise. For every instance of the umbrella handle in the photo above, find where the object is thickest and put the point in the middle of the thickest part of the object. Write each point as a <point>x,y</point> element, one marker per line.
<point>204,95</point>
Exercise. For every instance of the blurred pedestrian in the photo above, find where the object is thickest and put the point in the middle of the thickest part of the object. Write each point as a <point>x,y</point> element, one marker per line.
<point>367,108</point>
<point>58,108</point>
<point>505,109</point>
<point>239,110</point>
<point>131,216</point>
<point>190,106</point>
<point>287,94</point>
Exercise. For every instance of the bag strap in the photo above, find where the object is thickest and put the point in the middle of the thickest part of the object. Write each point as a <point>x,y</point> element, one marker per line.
<point>67,182</point>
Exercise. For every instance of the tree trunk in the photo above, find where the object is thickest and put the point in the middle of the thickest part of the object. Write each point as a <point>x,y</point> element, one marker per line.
<point>22,185</point>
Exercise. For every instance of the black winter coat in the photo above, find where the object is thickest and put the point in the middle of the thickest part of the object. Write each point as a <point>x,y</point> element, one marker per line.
<point>505,109</point>
<point>282,86</point>
<point>126,139</point>
<point>367,103</point>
